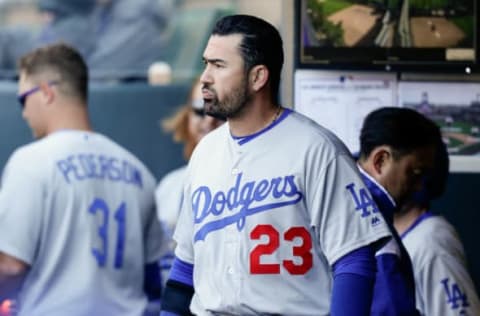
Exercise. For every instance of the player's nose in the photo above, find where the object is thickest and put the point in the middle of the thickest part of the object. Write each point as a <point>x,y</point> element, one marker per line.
<point>206,77</point>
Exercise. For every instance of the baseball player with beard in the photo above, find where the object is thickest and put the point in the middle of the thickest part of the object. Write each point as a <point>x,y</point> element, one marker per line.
<point>78,228</point>
<point>269,224</point>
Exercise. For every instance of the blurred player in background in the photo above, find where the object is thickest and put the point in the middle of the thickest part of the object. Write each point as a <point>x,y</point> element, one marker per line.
<point>397,148</point>
<point>188,126</point>
<point>78,229</point>
<point>267,214</point>
<point>443,285</point>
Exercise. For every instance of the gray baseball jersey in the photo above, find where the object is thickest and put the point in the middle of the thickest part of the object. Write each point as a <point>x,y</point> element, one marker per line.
<point>79,209</point>
<point>168,199</point>
<point>443,285</point>
<point>265,216</point>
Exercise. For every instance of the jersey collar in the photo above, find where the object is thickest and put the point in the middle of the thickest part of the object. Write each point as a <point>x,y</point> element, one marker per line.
<point>245,139</point>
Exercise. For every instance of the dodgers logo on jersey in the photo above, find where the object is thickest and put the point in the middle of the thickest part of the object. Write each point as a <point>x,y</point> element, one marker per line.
<point>455,297</point>
<point>239,199</point>
<point>364,203</point>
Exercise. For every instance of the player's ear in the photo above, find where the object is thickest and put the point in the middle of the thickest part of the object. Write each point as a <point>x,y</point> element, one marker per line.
<point>48,94</point>
<point>258,77</point>
<point>381,157</point>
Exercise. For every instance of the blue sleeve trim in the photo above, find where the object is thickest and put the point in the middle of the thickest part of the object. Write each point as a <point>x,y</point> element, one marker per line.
<point>182,272</point>
<point>351,295</point>
<point>360,262</point>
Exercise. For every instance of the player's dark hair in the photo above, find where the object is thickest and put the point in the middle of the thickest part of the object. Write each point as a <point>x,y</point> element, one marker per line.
<point>261,45</point>
<point>61,64</point>
<point>403,129</point>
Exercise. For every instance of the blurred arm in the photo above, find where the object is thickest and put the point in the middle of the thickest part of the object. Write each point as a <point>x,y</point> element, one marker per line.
<point>179,290</point>
<point>12,273</point>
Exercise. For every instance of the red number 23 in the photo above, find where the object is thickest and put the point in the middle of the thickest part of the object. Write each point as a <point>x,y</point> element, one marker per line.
<point>303,251</point>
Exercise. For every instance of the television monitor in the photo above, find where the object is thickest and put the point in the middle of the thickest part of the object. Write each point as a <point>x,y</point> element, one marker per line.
<point>387,34</point>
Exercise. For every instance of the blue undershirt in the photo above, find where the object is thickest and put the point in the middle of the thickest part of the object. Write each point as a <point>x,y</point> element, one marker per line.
<point>353,273</point>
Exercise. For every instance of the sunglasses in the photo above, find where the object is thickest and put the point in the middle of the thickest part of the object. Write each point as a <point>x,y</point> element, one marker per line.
<point>22,98</point>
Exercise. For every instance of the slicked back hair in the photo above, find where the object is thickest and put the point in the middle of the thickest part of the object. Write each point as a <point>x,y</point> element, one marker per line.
<point>261,45</point>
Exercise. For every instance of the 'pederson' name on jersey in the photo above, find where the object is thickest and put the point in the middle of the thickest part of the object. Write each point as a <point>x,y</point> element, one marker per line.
<point>90,166</point>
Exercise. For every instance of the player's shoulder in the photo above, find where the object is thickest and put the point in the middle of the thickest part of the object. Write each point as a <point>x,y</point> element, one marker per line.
<point>434,226</point>
<point>445,236</point>
<point>35,150</point>
<point>174,175</point>
<point>30,159</point>
<point>110,146</point>
<point>173,179</point>
<point>433,238</point>
<point>314,133</point>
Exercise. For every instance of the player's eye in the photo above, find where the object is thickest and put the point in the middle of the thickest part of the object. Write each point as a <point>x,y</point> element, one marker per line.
<point>417,171</point>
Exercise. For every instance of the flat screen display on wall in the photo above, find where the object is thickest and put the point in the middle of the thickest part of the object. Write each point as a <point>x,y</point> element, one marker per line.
<point>413,34</point>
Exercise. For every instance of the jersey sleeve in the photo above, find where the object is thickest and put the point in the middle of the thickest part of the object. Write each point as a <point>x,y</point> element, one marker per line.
<point>446,289</point>
<point>21,209</point>
<point>344,214</point>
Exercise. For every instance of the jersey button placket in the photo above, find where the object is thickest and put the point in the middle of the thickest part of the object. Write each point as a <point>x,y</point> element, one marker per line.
<point>231,253</point>
<point>235,169</point>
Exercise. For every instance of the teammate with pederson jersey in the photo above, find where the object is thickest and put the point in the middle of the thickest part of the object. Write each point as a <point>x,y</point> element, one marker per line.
<point>78,228</point>
<point>268,224</point>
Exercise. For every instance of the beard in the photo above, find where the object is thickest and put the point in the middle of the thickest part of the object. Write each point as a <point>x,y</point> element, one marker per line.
<point>231,105</point>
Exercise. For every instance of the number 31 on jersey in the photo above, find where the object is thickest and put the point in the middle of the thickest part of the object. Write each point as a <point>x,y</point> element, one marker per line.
<point>100,208</point>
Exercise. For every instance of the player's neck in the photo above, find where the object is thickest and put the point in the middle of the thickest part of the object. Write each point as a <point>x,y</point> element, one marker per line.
<point>254,118</point>
<point>403,220</point>
<point>71,119</point>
